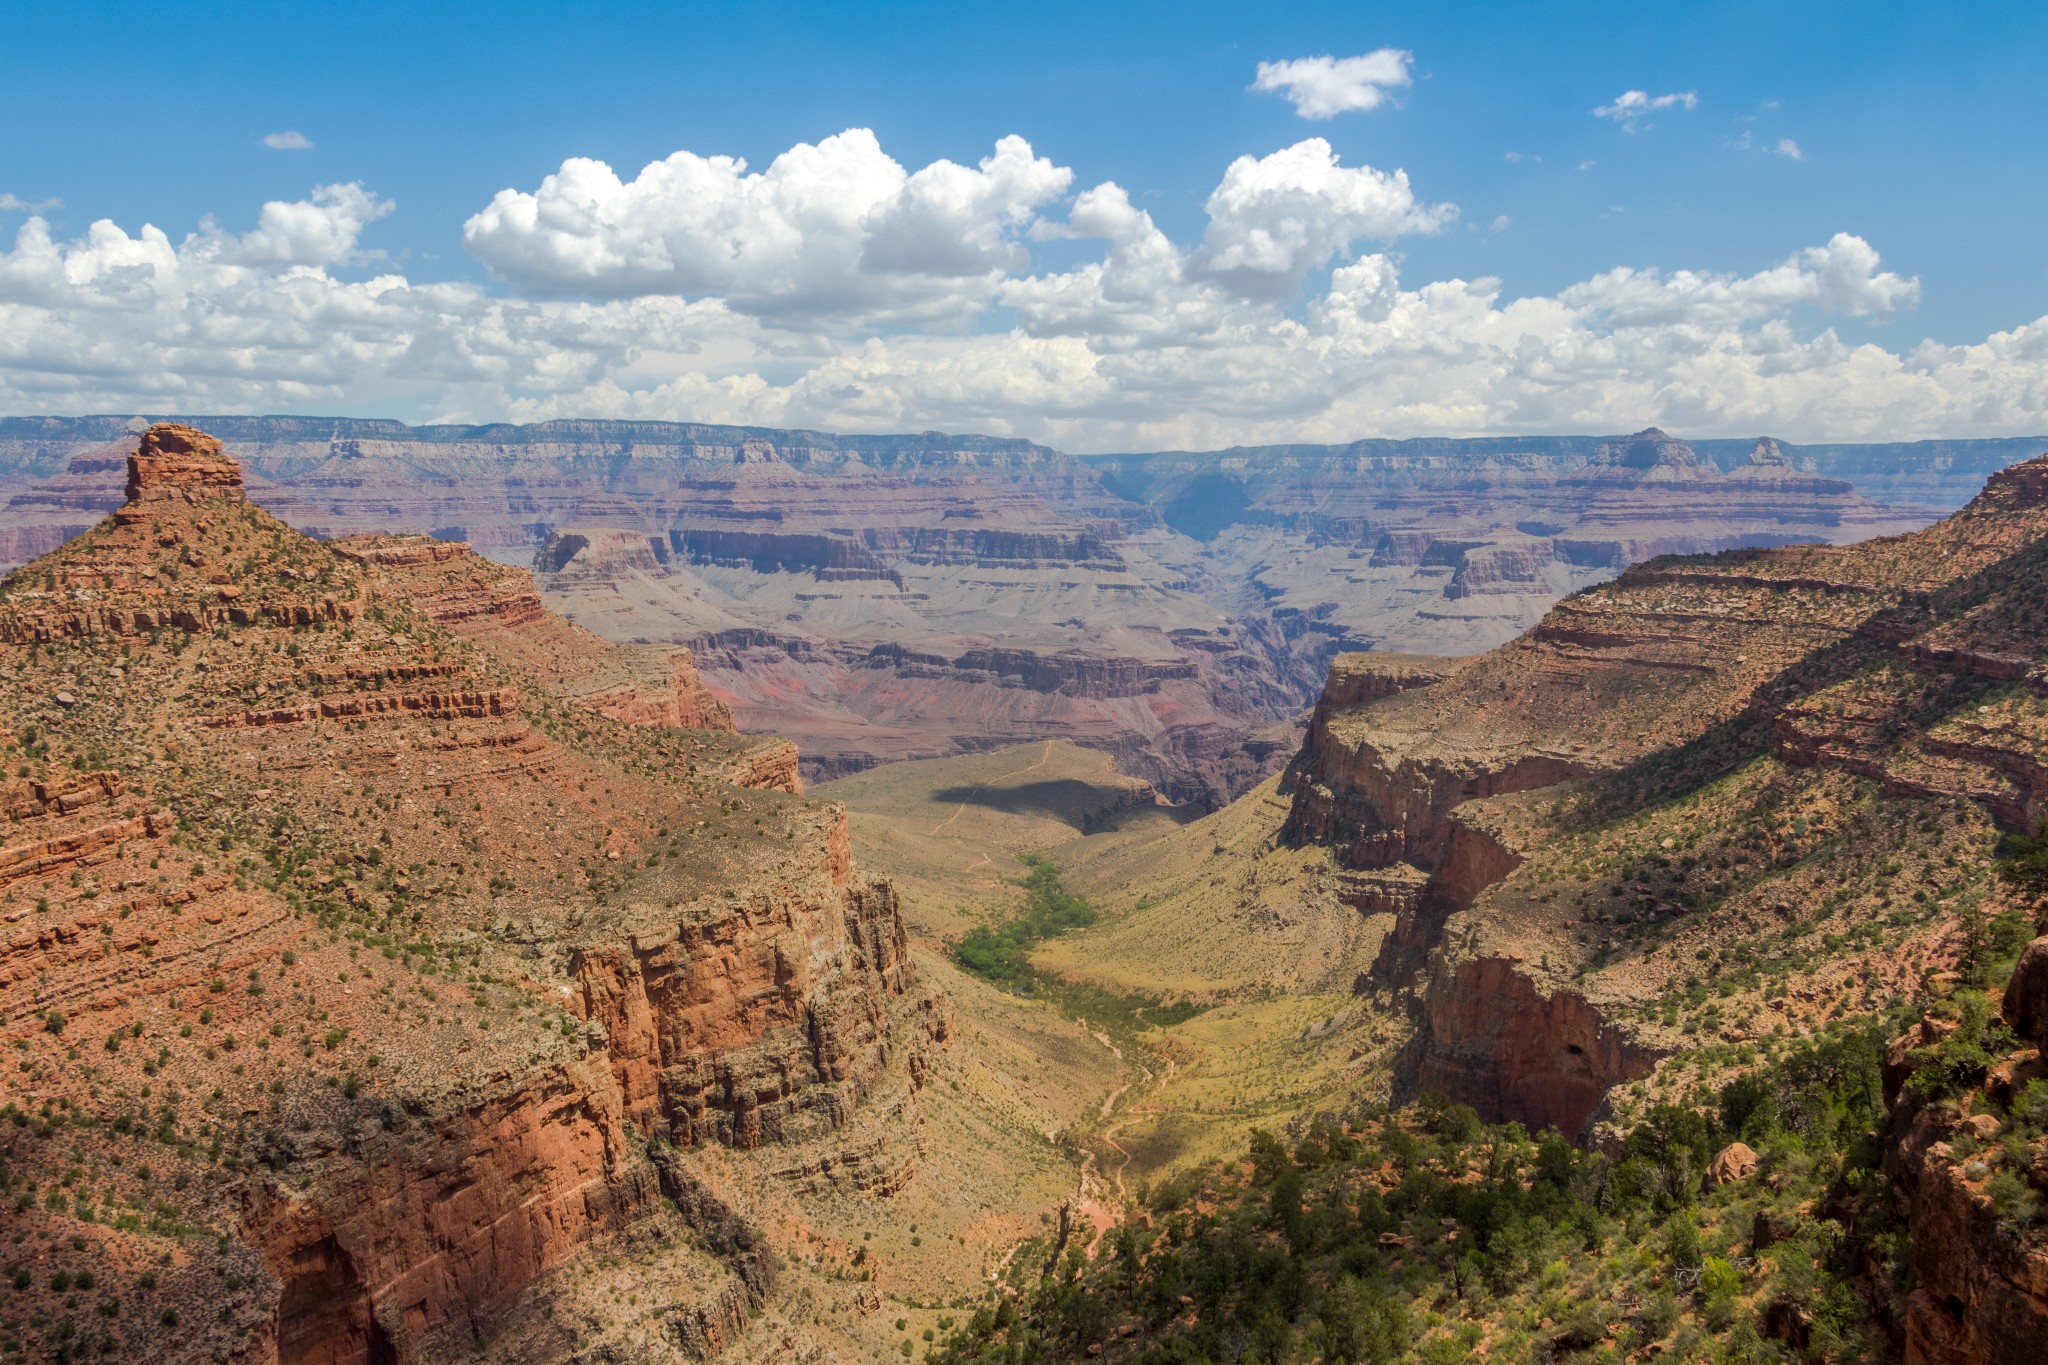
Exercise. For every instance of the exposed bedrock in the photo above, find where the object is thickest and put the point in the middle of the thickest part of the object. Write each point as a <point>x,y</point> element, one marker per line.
<point>392,1188</point>
<point>1074,673</point>
<point>1980,1294</point>
<point>1377,806</point>
<point>775,1020</point>
<point>422,1220</point>
<point>1490,1038</point>
<point>763,1018</point>
<point>1909,662</point>
<point>829,559</point>
<point>1486,1034</point>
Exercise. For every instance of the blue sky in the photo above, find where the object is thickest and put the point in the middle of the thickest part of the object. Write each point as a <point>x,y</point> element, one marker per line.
<point>1917,129</point>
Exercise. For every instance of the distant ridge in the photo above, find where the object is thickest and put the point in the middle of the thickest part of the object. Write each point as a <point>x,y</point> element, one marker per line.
<point>1941,474</point>
<point>115,427</point>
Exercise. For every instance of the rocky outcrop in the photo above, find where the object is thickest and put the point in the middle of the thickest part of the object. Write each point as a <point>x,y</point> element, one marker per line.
<point>1359,678</point>
<point>1870,659</point>
<point>1490,1038</point>
<point>172,461</point>
<point>1377,806</point>
<point>450,583</point>
<point>1980,1291</point>
<point>1074,673</point>
<point>752,1020</point>
<point>828,559</point>
<point>683,703</point>
<point>498,607</point>
<point>997,548</point>
<point>2025,1003</point>
<point>419,946</point>
<point>965,547</point>
<point>439,1219</point>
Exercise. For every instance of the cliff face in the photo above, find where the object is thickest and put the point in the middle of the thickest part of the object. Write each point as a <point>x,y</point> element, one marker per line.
<point>760,1020</point>
<point>1543,819</point>
<point>1457,546</point>
<point>876,654</point>
<point>401,918</point>
<point>498,608</point>
<point>1980,1295</point>
<point>1492,1038</point>
<point>1231,579</point>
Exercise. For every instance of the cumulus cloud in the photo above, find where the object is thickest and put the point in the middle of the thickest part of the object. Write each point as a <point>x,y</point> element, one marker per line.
<point>12,203</point>
<point>838,231</point>
<point>261,321</point>
<point>1233,336</point>
<point>1324,87</point>
<point>1841,277</point>
<point>322,230</point>
<point>1275,218</point>
<point>1632,106</point>
<point>290,140</point>
<point>1272,221</point>
<point>1788,148</point>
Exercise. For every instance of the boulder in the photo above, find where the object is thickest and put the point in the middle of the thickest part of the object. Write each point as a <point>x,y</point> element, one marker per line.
<point>2026,996</point>
<point>1733,1164</point>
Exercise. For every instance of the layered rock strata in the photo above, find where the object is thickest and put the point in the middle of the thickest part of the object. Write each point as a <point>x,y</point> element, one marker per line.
<point>376,945</point>
<point>879,598</point>
<point>1510,808</point>
<point>1980,1278</point>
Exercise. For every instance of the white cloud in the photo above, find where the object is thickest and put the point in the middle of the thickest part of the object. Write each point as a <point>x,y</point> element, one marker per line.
<point>1147,342</point>
<point>1841,277</point>
<point>1784,146</point>
<point>1324,87</point>
<point>12,203</point>
<point>290,140</point>
<point>319,231</point>
<point>1631,106</point>
<point>833,232</point>
<point>1273,219</point>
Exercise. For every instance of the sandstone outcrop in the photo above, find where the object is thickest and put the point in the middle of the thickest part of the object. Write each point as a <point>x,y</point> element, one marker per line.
<point>2025,1005</point>
<point>376,946</point>
<point>1491,1037</point>
<point>1980,1291</point>
<point>1733,1164</point>
<point>1532,816</point>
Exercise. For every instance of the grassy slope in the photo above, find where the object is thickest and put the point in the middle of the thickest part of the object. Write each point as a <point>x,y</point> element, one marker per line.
<point>1207,910</point>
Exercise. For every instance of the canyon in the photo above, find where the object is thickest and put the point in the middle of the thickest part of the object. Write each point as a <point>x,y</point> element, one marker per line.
<point>882,598</point>
<point>394,964</point>
<point>381,951</point>
<point>1709,810</point>
<point>1557,823</point>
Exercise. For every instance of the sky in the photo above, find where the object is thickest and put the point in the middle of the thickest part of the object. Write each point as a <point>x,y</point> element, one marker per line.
<point>1107,227</point>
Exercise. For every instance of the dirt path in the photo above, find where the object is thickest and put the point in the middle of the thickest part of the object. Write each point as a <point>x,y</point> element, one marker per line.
<point>960,807</point>
<point>1108,1133</point>
<point>1131,1116</point>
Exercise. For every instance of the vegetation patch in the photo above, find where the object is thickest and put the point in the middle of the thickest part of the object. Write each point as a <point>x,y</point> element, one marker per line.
<point>1001,953</point>
<point>1426,1234</point>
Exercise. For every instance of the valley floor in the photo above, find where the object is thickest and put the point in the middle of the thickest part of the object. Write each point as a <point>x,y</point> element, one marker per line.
<point>1213,995</point>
